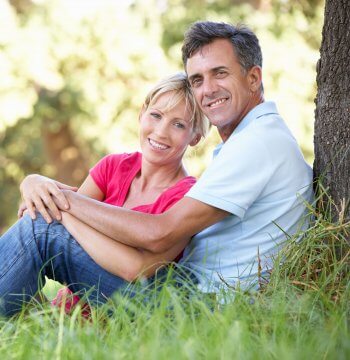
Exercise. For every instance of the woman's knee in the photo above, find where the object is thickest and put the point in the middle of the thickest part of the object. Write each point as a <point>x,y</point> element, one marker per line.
<point>53,228</point>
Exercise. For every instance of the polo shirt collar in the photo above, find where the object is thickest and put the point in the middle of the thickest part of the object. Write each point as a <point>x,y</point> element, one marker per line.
<point>265,108</point>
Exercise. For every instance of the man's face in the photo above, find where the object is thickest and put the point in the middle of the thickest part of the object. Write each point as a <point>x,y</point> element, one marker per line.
<point>221,87</point>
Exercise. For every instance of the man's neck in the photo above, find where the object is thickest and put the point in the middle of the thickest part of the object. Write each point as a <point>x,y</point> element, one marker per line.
<point>226,131</point>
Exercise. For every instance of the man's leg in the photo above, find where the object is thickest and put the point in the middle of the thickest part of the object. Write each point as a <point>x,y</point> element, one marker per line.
<point>31,250</point>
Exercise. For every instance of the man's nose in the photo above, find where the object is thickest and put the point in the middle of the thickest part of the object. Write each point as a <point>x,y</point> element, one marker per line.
<point>209,86</point>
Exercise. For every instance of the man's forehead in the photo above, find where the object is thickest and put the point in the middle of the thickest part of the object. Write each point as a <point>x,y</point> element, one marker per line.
<point>202,51</point>
<point>209,57</point>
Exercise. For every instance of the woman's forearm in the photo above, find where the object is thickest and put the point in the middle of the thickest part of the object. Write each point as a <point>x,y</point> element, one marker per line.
<point>122,260</point>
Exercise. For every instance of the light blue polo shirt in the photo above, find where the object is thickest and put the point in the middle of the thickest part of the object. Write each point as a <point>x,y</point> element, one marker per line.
<point>258,175</point>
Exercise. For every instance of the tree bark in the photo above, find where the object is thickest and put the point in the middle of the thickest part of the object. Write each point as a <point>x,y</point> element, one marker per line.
<point>332,122</point>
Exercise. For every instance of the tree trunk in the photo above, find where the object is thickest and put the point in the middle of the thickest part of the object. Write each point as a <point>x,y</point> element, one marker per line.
<point>64,154</point>
<point>332,122</point>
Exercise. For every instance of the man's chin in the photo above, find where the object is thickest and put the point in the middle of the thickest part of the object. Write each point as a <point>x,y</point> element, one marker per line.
<point>216,120</point>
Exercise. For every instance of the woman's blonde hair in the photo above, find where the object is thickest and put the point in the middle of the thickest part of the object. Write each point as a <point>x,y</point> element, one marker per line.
<point>179,85</point>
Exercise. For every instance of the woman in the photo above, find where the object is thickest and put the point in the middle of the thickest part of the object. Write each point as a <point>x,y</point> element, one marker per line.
<point>79,255</point>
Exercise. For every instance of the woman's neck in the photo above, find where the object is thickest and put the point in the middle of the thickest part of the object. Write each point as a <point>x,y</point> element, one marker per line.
<point>150,182</point>
<point>160,177</point>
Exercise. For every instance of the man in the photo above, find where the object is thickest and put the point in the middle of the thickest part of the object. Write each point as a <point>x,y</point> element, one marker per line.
<point>251,197</point>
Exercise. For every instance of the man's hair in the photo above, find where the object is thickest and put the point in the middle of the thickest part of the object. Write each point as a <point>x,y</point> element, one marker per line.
<point>178,85</point>
<point>244,41</point>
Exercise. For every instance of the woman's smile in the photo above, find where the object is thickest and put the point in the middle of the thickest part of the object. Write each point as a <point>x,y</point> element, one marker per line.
<point>157,145</point>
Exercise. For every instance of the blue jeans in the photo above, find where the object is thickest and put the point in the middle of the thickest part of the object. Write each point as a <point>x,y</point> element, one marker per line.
<point>31,250</point>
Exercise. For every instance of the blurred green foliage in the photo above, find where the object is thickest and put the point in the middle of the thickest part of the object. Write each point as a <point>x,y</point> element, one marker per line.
<point>74,75</point>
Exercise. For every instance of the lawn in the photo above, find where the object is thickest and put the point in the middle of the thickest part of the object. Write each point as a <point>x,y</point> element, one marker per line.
<point>301,313</point>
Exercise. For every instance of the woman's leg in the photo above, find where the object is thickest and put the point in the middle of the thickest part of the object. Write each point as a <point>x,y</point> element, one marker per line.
<point>31,250</point>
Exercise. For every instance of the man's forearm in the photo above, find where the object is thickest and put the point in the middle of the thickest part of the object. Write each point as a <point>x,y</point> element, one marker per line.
<point>155,233</point>
<point>119,259</point>
<point>129,227</point>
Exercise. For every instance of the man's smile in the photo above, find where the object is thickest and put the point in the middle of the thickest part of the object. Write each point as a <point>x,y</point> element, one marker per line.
<point>215,102</point>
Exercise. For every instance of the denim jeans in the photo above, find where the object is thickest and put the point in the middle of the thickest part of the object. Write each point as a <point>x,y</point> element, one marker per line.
<point>31,250</point>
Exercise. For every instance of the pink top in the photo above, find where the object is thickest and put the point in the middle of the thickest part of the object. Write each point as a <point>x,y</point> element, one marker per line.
<point>114,174</point>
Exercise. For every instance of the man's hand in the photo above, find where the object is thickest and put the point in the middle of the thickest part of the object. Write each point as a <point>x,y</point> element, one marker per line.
<point>37,193</point>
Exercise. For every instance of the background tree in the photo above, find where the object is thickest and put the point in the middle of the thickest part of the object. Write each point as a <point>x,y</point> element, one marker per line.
<point>332,123</point>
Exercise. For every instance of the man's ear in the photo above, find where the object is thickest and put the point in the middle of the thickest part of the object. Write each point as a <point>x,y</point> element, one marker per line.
<point>255,78</point>
<point>195,140</point>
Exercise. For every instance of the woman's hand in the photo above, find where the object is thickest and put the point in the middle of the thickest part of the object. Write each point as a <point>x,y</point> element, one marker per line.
<point>22,210</point>
<point>37,192</point>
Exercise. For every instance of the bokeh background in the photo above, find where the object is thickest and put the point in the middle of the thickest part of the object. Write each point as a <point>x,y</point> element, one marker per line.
<point>73,76</point>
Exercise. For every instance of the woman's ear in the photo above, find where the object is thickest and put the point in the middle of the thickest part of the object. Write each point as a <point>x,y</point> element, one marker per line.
<point>195,140</point>
<point>143,109</point>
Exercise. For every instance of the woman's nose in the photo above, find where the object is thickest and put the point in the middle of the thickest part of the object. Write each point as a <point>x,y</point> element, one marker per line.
<point>161,129</point>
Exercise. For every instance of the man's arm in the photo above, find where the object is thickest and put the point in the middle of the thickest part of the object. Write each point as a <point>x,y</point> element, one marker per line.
<point>122,260</point>
<point>155,233</point>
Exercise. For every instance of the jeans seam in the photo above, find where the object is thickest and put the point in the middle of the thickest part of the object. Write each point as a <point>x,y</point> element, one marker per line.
<point>16,259</point>
<point>20,254</point>
<point>70,238</point>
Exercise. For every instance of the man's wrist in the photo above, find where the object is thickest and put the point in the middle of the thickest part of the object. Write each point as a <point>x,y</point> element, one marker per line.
<point>67,196</point>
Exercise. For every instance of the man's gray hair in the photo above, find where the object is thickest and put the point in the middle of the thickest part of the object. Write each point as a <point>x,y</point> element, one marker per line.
<point>244,41</point>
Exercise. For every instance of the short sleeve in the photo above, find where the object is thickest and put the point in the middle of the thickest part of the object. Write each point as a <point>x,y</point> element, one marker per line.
<point>236,177</point>
<point>101,171</point>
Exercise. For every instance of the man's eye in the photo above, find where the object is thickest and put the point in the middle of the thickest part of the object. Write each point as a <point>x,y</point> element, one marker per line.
<point>196,82</point>
<point>221,74</point>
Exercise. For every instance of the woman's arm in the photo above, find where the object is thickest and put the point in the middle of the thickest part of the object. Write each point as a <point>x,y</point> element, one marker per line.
<point>119,259</point>
<point>37,192</point>
<point>90,189</point>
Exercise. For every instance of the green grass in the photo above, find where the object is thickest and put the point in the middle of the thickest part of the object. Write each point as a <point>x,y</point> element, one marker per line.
<point>302,313</point>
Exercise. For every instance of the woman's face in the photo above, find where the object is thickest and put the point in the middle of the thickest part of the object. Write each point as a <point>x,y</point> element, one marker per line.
<point>165,134</point>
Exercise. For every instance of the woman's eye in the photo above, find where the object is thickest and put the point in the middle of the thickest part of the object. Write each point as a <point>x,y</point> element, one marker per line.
<point>179,125</point>
<point>155,115</point>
